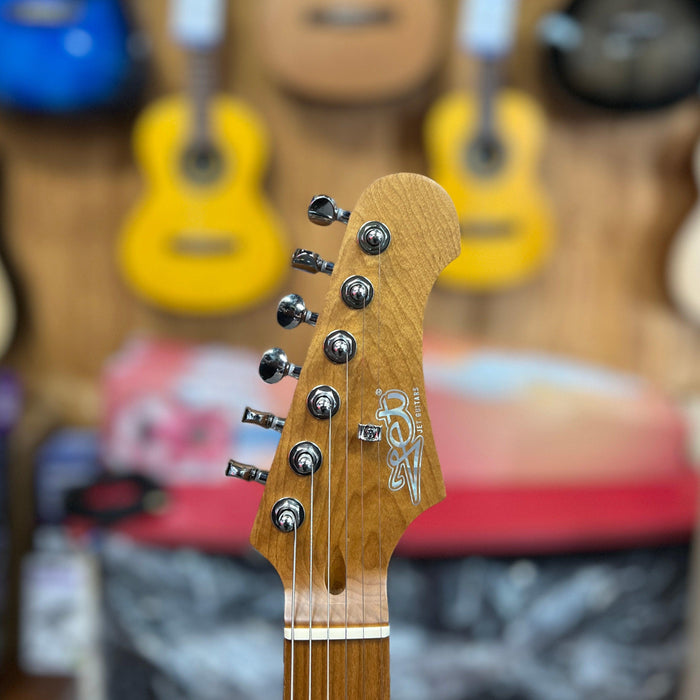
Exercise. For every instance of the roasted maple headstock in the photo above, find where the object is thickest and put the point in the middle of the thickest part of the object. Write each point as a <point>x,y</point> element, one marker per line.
<point>356,462</point>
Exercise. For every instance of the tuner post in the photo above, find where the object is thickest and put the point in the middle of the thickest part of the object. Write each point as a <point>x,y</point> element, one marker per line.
<point>357,292</point>
<point>305,458</point>
<point>287,514</point>
<point>374,237</point>
<point>340,347</point>
<point>323,402</point>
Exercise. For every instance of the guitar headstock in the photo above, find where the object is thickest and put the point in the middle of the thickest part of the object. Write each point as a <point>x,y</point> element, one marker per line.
<point>356,462</point>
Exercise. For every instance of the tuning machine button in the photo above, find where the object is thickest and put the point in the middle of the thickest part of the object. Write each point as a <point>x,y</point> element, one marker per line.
<point>247,472</point>
<point>312,262</point>
<point>291,311</point>
<point>265,420</point>
<point>274,365</point>
<point>324,211</point>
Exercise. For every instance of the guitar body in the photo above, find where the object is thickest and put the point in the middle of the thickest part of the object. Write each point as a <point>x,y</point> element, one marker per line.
<point>507,228</point>
<point>61,56</point>
<point>203,240</point>
<point>684,260</point>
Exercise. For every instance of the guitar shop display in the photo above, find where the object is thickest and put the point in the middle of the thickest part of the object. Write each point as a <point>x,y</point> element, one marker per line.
<point>484,149</point>
<point>625,54</point>
<point>356,462</point>
<point>204,239</point>
<point>64,56</point>
<point>354,51</point>
<point>683,269</point>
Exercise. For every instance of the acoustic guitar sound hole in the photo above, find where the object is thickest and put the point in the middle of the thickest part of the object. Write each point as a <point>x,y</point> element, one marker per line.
<point>202,164</point>
<point>485,156</point>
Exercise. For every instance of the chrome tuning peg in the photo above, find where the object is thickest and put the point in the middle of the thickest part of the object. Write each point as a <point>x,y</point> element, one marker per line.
<point>309,261</point>
<point>291,311</point>
<point>247,472</point>
<point>264,420</point>
<point>274,365</point>
<point>324,211</point>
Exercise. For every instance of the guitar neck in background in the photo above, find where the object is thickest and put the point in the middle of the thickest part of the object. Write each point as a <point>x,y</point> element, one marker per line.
<point>486,31</point>
<point>198,26</point>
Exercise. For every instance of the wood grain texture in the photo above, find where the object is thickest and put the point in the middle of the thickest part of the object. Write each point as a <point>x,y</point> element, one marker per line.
<point>365,515</point>
<point>360,501</point>
<point>358,669</point>
<point>621,188</point>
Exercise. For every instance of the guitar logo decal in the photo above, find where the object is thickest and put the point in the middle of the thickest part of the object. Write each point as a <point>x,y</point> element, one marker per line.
<point>404,433</point>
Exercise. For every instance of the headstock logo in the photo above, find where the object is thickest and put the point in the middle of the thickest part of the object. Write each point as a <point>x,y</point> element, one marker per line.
<point>404,433</point>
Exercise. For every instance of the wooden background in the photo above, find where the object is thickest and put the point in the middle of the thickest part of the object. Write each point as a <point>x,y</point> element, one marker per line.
<point>621,186</point>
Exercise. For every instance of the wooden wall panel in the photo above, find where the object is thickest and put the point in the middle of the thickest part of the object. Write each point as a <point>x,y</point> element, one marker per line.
<point>621,186</point>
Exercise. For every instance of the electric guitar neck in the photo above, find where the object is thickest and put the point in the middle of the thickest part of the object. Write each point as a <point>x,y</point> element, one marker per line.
<point>356,462</point>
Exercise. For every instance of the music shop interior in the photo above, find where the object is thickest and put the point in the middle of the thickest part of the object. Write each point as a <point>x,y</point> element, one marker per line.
<point>349,349</point>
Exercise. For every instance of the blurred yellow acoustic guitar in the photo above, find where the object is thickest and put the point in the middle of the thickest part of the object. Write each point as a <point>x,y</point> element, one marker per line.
<point>203,240</point>
<point>484,150</point>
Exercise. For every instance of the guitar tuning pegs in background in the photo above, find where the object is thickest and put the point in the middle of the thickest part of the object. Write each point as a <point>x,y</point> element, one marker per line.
<point>291,311</point>
<point>323,211</point>
<point>311,262</point>
<point>274,365</point>
<point>268,421</point>
<point>246,472</point>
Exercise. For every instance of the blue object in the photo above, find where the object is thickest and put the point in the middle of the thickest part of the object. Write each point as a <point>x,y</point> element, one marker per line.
<point>63,56</point>
<point>67,460</point>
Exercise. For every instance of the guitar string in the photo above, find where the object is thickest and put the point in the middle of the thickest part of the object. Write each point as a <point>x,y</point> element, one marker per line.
<point>328,565</point>
<point>379,475</point>
<point>311,569</point>
<point>362,496</point>
<point>347,429</point>
<point>294,587</point>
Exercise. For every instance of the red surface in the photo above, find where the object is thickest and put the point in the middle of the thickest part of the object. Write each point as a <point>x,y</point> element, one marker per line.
<point>521,520</point>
